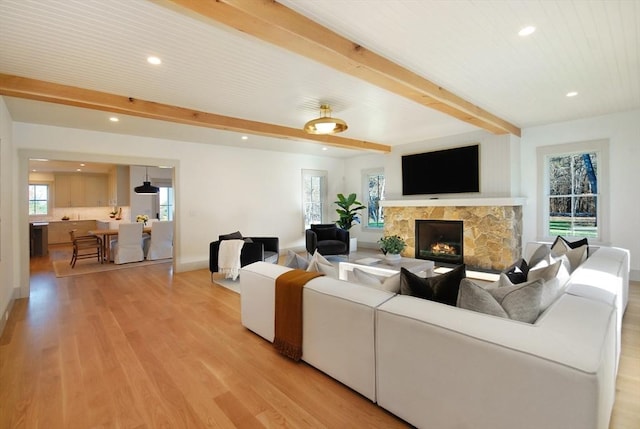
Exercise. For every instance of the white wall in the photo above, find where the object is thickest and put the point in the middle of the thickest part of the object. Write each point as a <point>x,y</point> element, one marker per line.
<point>219,189</point>
<point>8,278</point>
<point>499,176</point>
<point>623,132</point>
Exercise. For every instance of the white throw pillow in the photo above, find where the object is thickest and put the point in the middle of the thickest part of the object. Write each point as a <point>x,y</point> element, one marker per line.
<point>389,284</point>
<point>320,264</point>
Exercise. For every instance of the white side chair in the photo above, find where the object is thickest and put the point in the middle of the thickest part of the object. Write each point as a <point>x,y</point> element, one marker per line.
<point>128,246</point>
<point>160,244</point>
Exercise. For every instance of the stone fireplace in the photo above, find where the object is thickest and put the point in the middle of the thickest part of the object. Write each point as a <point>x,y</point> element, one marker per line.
<point>440,241</point>
<point>492,227</point>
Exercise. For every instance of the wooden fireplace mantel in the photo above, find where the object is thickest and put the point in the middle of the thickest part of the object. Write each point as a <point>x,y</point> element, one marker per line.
<point>456,202</point>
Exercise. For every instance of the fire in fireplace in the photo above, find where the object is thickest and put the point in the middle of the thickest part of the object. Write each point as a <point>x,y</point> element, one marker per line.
<point>440,241</point>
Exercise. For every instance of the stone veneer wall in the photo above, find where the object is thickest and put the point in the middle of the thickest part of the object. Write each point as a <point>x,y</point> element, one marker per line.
<point>492,234</point>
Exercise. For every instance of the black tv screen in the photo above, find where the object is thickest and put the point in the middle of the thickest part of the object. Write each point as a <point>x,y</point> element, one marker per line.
<point>449,171</point>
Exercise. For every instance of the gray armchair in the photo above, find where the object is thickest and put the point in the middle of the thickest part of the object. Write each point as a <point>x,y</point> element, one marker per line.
<point>328,239</point>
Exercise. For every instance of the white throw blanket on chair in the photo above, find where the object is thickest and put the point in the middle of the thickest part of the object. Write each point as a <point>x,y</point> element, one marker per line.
<point>229,258</point>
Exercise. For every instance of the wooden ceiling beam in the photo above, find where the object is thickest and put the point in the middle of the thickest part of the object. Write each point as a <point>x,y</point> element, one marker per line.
<point>283,27</point>
<point>21,87</point>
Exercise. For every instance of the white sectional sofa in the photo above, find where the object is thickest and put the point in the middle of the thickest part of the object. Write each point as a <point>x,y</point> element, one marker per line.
<point>438,366</point>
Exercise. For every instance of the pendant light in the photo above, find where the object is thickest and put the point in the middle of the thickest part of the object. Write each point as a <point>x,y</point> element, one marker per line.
<point>146,188</point>
<point>325,124</point>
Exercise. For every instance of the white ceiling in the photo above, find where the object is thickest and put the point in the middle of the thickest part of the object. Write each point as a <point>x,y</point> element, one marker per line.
<point>468,47</point>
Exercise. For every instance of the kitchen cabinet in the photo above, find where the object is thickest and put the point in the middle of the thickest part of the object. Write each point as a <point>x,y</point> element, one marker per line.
<point>119,189</point>
<point>59,230</point>
<point>80,190</point>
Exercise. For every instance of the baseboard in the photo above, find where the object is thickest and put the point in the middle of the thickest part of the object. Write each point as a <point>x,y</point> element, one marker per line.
<point>191,266</point>
<point>634,275</point>
<point>4,316</point>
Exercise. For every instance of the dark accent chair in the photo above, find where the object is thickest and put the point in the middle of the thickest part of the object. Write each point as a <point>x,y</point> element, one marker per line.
<point>328,239</point>
<point>254,249</point>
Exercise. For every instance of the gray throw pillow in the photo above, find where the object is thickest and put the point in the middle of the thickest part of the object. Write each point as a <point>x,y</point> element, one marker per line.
<point>295,261</point>
<point>517,302</point>
<point>320,264</point>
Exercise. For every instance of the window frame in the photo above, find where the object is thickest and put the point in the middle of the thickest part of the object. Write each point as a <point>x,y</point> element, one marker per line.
<point>544,153</point>
<point>379,171</point>
<point>164,184</point>
<point>324,203</point>
<point>49,202</point>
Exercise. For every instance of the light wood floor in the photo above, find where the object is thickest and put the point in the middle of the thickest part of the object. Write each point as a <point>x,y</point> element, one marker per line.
<point>144,348</point>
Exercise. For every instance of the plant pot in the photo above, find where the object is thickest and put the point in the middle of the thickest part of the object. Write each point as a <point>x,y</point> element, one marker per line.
<point>392,257</point>
<point>353,244</point>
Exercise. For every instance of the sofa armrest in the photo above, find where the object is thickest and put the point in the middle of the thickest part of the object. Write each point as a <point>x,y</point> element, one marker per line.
<point>342,235</point>
<point>214,248</point>
<point>251,252</point>
<point>311,241</point>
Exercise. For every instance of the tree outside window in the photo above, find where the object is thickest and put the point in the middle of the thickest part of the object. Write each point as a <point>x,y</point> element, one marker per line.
<point>374,189</point>
<point>573,194</point>
<point>38,199</point>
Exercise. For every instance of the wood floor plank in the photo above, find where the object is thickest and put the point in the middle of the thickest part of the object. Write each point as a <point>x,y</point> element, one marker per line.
<point>145,348</point>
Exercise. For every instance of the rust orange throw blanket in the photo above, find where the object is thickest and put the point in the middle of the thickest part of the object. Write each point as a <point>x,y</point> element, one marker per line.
<point>288,312</point>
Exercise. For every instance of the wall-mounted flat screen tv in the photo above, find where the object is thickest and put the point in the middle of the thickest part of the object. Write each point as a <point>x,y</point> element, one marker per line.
<point>448,171</point>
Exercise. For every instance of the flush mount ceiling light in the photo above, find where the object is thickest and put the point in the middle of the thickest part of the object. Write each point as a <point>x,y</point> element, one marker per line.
<point>325,124</point>
<point>146,188</point>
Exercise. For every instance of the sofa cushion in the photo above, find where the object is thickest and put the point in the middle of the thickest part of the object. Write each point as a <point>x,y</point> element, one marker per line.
<point>294,260</point>
<point>518,302</point>
<point>389,284</point>
<point>442,288</point>
<point>325,232</point>
<point>332,247</point>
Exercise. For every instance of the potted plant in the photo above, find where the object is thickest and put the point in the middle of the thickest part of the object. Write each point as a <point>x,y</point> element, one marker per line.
<point>349,214</point>
<point>392,246</point>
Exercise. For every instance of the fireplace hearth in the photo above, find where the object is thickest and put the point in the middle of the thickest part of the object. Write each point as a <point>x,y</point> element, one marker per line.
<point>440,241</point>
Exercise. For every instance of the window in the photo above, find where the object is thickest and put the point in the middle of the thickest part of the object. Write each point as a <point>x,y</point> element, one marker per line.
<point>573,191</point>
<point>314,196</point>
<point>373,181</point>
<point>165,203</point>
<point>38,199</point>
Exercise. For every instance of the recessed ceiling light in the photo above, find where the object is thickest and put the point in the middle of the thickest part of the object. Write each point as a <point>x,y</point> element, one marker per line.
<point>245,138</point>
<point>526,31</point>
<point>114,119</point>
<point>34,170</point>
<point>325,148</point>
<point>82,165</point>
<point>78,169</point>
<point>572,94</point>
<point>154,60</point>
